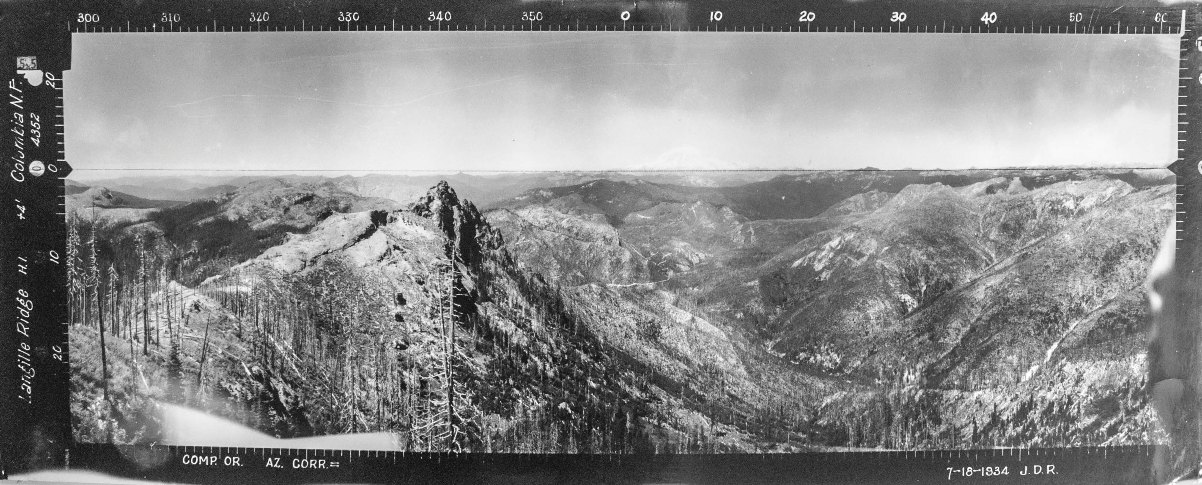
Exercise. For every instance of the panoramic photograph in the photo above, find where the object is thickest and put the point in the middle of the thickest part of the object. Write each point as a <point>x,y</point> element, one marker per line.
<point>583,243</point>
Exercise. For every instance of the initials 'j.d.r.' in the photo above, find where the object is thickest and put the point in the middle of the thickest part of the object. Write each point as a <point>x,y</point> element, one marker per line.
<point>1038,470</point>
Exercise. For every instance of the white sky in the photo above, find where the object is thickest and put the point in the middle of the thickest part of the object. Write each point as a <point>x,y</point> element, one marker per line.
<point>481,101</point>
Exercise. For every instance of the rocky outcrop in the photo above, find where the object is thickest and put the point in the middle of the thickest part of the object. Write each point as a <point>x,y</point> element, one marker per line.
<point>468,235</point>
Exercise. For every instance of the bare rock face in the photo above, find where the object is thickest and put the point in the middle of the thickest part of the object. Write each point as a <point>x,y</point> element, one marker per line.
<point>469,241</point>
<point>468,234</point>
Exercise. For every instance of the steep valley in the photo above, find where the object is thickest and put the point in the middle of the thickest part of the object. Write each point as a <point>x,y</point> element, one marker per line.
<point>989,286</point>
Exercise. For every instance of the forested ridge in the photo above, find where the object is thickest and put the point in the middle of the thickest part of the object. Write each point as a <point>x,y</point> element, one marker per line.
<point>624,317</point>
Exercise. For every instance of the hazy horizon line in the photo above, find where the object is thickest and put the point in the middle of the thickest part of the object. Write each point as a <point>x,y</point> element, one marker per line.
<point>108,174</point>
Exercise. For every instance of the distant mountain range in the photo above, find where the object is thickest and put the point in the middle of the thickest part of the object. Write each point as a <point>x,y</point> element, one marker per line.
<point>483,188</point>
<point>578,312</point>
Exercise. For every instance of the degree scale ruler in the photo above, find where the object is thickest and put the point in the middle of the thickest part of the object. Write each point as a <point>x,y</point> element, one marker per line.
<point>37,50</point>
<point>703,16</point>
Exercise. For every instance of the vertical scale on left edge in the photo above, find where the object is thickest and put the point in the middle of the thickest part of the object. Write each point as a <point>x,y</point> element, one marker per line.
<point>34,372</point>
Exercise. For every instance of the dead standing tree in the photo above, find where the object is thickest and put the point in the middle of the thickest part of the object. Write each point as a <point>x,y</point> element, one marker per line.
<point>165,297</point>
<point>432,430</point>
<point>94,281</point>
<point>143,277</point>
<point>114,300</point>
<point>204,351</point>
<point>440,416</point>
<point>74,283</point>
